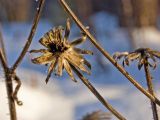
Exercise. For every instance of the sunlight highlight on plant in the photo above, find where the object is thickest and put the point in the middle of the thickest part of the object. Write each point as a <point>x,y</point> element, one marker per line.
<point>62,54</point>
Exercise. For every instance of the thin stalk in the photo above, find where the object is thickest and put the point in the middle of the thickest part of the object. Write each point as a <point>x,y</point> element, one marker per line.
<point>107,55</point>
<point>9,87</point>
<point>150,89</point>
<point>2,44</point>
<point>31,35</point>
<point>99,97</point>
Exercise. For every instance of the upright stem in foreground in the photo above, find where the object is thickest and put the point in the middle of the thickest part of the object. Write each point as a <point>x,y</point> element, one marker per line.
<point>9,87</point>
<point>107,55</point>
<point>9,72</point>
<point>96,93</point>
<point>150,89</point>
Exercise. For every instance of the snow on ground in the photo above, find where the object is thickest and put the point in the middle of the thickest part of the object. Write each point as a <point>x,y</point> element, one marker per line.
<point>52,102</point>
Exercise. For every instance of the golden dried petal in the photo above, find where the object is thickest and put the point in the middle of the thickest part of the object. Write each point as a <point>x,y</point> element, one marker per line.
<point>60,66</point>
<point>77,64</point>
<point>155,53</point>
<point>79,41</point>
<point>67,29</point>
<point>140,63</point>
<point>80,51</point>
<point>119,55</point>
<point>43,59</point>
<point>45,42</point>
<point>87,63</point>
<point>69,70</point>
<point>40,50</point>
<point>50,69</point>
<point>51,37</point>
<point>133,56</point>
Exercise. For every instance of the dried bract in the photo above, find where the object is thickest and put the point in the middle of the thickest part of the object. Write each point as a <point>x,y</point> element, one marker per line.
<point>141,54</point>
<point>97,115</point>
<point>62,54</point>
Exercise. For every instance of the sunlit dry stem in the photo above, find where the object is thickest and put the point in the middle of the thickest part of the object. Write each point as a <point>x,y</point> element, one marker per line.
<point>2,44</point>
<point>9,72</point>
<point>107,55</point>
<point>150,89</point>
<point>31,35</point>
<point>9,87</point>
<point>3,61</point>
<point>99,97</point>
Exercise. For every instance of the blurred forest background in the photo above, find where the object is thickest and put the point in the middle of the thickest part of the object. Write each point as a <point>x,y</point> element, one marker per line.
<point>119,25</point>
<point>131,14</point>
<point>137,13</point>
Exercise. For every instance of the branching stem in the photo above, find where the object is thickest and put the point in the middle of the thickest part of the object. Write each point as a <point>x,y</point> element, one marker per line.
<point>9,87</point>
<point>107,55</point>
<point>10,72</point>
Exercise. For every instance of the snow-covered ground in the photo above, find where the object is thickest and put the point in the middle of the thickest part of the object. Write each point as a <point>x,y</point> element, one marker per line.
<point>61,99</point>
<point>70,101</point>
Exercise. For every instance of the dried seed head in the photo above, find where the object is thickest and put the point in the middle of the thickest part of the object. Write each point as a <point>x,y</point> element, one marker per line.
<point>142,55</point>
<point>62,54</point>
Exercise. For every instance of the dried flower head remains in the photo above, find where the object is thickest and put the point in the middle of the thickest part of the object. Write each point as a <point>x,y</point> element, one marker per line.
<point>143,55</point>
<point>97,115</point>
<point>62,54</point>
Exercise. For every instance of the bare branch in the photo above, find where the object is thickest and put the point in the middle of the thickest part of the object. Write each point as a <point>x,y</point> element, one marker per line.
<point>150,89</point>
<point>31,35</point>
<point>106,54</point>
<point>2,44</point>
<point>96,93</point>
<point>9,87</point>
<point>3,61</point>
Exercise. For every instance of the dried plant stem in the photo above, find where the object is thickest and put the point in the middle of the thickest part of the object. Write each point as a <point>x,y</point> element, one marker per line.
<point>99,97</point>
<point>9,72</point>
<point>31,35</point>
<point>9,87</point>
<point>150,89</point>
<point>2,44</point>
<point>107,55</point>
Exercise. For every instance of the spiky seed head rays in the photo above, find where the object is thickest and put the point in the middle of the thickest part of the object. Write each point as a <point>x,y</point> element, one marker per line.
<point>61,53</point>
<point>142,55</point>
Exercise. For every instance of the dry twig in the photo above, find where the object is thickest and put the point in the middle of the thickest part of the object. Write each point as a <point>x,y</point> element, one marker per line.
<point>96,93</point>
<point>9,87</point>
<point>9,72</point>
<point>150,89</point>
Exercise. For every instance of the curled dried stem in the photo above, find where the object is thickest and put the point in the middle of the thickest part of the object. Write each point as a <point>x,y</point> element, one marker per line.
<point>107,55</point>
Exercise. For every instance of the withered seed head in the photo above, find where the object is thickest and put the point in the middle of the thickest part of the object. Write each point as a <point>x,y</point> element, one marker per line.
<point>142,55</point>
<point>62,54</point>
<point>97,115</point>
